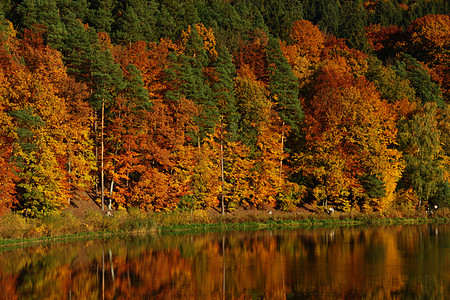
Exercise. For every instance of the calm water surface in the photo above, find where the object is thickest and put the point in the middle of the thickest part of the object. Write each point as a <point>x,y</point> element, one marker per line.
<point>399,262</point>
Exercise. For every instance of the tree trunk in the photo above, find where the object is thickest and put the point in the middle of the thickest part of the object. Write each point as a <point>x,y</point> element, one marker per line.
<point>69,167</point>
<point>112,179</point>
<point>222,169</point>
<point>102,158</point>
<point>281,156</point>
<point>96,150</point>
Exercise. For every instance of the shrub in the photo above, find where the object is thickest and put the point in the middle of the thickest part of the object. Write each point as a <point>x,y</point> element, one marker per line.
<point>14,226</point>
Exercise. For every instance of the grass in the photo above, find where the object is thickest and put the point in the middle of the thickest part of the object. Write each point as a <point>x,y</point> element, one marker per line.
<point>16,230</point>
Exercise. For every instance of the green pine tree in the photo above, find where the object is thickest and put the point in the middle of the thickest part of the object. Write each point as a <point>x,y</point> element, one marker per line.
<point>183,14</point>
<point>76,48</point>
<point>186,78</point>
<point>223,90</point>
<point>134,88</point>
<point>283,86</point>
<point>136,21</point>
<point>43,12</point>
<point>386,13</point>
<point>106,76</point>
<point>351,26</point>
<point>101,15</point>
<point>427,90</point>
<point>279,16</point>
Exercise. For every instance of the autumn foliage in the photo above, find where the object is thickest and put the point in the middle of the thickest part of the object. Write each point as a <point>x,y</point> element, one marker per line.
<point>200,116</point>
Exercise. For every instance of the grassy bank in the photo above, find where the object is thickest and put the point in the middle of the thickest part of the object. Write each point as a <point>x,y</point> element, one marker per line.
<point>17,230</point>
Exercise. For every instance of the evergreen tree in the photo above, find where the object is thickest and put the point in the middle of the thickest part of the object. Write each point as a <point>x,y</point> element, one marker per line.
<point>330,20</point>
<point>106,76</point>
<point>283,86</point>
<point>34,12</point>
<point>324,12</point>
<point>101,15</point>
<point>166,25</point>
<point>134,88</point>
<point>251,13</point>
<point>226,22</point>
<point>223,89</point>
<point>386,13</point>
<point>76,48</point>
<point>351,26</point>
<point>136,21</point>
<point>279,16</point>
<point>179,16</point>
<point>427,90</point>
<point>187,80</point>
<point>73,8</point>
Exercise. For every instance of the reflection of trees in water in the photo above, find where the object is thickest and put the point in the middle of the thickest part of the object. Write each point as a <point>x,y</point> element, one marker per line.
<point>376,262</point>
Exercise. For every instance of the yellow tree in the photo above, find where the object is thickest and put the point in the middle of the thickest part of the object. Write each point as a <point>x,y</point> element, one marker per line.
<point>8,177</point>
<point>37,92</point>
<point>260,130</point>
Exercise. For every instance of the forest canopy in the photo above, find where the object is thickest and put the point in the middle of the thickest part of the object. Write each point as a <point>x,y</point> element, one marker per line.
<point>166,105</point>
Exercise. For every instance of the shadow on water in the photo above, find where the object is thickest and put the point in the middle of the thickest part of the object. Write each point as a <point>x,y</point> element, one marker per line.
<point>399,262</point>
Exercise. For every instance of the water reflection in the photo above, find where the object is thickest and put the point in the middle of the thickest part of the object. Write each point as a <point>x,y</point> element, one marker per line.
<point>399,262</point>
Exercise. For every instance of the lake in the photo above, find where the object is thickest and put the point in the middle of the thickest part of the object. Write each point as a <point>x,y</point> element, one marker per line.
<point>392,262</point>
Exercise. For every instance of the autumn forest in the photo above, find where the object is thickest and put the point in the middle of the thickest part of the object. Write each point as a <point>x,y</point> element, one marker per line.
<point>174,105</point>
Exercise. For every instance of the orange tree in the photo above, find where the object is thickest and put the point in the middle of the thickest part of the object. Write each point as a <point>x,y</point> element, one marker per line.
<point>348,158</point>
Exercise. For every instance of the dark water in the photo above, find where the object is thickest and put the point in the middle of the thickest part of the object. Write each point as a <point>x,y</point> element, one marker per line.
<point>398,262</point>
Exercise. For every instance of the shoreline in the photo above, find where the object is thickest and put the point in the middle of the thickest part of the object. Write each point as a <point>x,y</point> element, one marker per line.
<point>17,231</point>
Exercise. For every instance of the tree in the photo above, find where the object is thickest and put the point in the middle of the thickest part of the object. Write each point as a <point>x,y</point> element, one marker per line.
<point>128,115</point>
<point>52,121</point>
<point>426,89</point>
<point>349,135</point>
<point>386,13</point>
<point>283,87</point>
<point>101,14</point>
<point>223,89</point>
<point>251,14</point>
<point>33,12</point>
<point>177,16</point>
<point>137,22</point>
<point>190,82</point>
<point>80,157</point>
<point>279,16</point>
<point>106,75</point>
<point>420,141</point>
<point>308,39</point>
<point>351,26</point>
<point>429,43</point>
<point>8,172</point>
<point>386,41</point>
<point>226,22</point>
<point>152,135</point>
<point>304,50</point>
<point>252,55</point>
<point>260,131</point>
<point>391,85</point>
<point>166,22</point>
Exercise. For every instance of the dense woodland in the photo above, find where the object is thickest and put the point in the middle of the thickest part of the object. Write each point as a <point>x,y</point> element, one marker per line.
<point>167,105</point>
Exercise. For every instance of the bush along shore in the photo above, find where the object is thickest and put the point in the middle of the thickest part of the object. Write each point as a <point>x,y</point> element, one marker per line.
<point>16,230</point>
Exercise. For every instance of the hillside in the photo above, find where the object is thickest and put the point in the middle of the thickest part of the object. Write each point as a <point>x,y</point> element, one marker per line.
<point>187,105</point>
